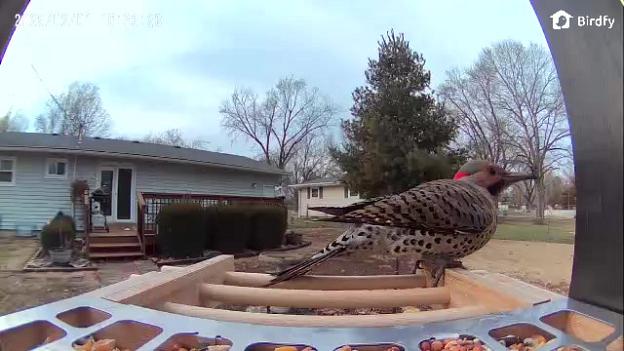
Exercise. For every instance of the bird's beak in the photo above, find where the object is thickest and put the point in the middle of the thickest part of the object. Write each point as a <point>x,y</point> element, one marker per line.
<point>511,178</point>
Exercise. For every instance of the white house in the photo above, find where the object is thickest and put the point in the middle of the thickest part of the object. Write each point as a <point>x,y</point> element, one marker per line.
<point>322,192</point>
<point>36,172</point>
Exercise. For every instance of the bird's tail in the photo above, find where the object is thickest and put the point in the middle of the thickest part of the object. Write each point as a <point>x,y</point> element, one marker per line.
<point>305,266</point>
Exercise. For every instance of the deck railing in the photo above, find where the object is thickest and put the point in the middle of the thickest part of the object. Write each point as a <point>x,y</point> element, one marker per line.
<point>150,204</point>
<point>140,216</point>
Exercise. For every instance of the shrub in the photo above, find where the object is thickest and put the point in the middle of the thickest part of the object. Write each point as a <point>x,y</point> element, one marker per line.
<point>268,225</point>
<point>210,217</point>
<point>225,228</point>
<point>230,228</point>
<point>181,230</point>
<point>59,233</point>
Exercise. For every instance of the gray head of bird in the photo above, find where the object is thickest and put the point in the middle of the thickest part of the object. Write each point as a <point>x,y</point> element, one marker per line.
<point>489,175</point>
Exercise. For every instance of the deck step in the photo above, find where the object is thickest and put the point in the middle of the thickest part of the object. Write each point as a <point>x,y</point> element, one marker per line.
<point>113,235</point>
<point>128,254</point>
<point>114,239</point>
<point>112,245</point>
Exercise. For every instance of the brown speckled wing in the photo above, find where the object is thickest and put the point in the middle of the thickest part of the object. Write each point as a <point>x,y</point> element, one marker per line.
<point>338,211</point>
<point>443,206</point>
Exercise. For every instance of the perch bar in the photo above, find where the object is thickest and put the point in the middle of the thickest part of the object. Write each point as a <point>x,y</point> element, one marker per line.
<point>321,282</point>
<point>328,298</point>
<point>380,320</point>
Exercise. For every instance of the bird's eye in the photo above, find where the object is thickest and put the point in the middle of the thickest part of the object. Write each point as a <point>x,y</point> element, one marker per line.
<point>492,171</point>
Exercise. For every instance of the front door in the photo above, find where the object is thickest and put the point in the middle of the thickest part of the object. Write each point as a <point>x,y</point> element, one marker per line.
<point>107,185</point>
<point>117,184</point>
<point>124,194</point>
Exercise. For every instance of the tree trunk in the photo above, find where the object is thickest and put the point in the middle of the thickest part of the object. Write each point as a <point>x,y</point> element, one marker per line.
<point>540,190</point>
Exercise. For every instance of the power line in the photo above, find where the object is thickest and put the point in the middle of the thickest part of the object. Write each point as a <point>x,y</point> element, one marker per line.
<point>58,104</point>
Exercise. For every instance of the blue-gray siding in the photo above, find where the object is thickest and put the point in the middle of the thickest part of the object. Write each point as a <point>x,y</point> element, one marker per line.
<point>34,199</point>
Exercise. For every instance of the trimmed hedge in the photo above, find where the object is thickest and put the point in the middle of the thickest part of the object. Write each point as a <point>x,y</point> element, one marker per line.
<point>231,229</point>
<point>185,230</point>
<point>210,215</point>
<point>181,230</point>
<point>52,234</point>
<point>268,225</point>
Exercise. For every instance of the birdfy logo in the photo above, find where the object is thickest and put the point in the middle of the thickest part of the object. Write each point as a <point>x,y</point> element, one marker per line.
<point>562,20</point>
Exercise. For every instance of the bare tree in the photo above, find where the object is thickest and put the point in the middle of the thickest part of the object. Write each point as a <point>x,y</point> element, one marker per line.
<point>513,93</point>
<point>531,95</point>
<point>470,96</point>
<point>281,121</point>
<point>13,122</point>
<point>79,110</point>
<point>174,137</point>
<point>312,160</point>
<point>524,192</point>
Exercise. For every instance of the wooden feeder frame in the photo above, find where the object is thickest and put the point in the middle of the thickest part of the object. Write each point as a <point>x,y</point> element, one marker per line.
<point>198,289</point>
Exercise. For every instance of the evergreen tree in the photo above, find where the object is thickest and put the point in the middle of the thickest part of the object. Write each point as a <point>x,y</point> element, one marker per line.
<point>398,136</point>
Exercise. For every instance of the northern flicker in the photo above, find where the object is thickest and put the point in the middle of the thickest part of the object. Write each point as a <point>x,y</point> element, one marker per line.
<point>436,222</point>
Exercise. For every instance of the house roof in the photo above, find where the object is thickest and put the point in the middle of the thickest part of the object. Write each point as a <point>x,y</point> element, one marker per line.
<point>13,141</point>
<point>328,181</point>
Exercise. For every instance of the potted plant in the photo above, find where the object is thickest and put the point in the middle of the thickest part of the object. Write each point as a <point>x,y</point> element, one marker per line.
<point>57,238</point>
<point>78,189</point>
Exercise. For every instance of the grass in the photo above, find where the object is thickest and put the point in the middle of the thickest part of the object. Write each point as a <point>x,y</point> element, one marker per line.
<point>303,223</point>
<point>556,230</point>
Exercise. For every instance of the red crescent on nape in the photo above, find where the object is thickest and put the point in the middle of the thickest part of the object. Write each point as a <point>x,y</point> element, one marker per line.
<point>460,175</point>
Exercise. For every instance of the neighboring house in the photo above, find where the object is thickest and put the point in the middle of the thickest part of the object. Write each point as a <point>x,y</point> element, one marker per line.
<point>36,172</point>
<point>322,192</point>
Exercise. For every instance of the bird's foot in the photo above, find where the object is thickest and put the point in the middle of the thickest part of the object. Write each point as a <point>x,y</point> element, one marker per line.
<point>455,264</point>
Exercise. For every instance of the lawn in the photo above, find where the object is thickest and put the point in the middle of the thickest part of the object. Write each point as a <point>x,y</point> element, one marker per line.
<point>303,223</point>
<point>556,230</point>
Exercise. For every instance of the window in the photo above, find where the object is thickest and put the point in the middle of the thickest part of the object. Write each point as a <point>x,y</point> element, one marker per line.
<point>315,192</point>
<point>7,170</point>
<point>56,168</point>
<point>269,191</point>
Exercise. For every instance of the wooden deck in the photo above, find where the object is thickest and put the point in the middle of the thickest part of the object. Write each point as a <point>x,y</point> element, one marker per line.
<point>120,242</point>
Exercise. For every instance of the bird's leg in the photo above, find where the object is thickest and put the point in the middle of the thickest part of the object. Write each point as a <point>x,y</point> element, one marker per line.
<point>437,270</point>
<point>417,266</point>
<point>437,275</point>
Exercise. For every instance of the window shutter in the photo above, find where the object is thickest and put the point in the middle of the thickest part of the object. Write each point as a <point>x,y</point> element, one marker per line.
<point>308,192</point>
<point>320,192</point>
<point>346,192</point>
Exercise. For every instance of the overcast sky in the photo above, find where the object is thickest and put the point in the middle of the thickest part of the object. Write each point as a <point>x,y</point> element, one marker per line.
<point>174,66</point>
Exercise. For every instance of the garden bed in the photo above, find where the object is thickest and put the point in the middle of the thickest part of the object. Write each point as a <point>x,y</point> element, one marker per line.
<point>183,261</point>
<point>168,261</point>
<point>40,262</point>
